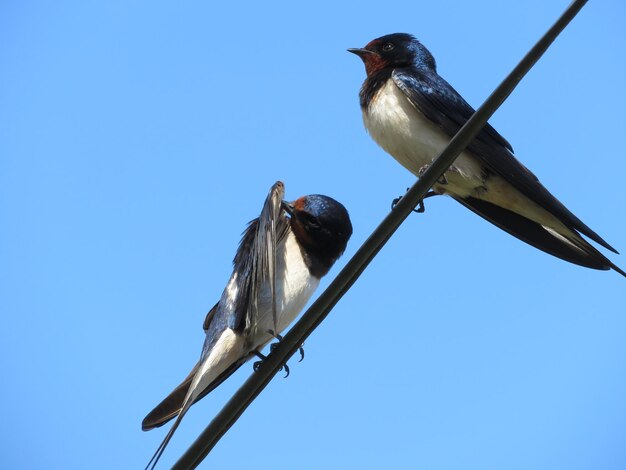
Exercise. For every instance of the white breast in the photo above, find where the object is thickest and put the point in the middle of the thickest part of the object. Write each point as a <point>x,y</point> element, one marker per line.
<point>406,134</point>
<point>294,287</point>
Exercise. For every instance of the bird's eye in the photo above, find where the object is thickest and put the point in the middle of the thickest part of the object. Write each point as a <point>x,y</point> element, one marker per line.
<point>310,220</point>
<point>388,46</point>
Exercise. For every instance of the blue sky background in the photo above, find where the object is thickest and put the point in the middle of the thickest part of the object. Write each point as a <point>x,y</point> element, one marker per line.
<point>138,138</point>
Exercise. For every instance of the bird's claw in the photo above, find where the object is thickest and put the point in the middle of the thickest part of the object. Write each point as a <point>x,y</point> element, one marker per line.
<point>420,208</point>
<point>273,346</point>
<point>257,365</point>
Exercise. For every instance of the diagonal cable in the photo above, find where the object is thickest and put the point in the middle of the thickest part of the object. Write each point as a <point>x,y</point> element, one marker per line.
<point>355,266</point>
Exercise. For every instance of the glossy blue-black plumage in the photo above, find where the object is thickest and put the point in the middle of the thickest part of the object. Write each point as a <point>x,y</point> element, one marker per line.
<point>322,227</point>
<point>327,226</point>
<point>404,60</point>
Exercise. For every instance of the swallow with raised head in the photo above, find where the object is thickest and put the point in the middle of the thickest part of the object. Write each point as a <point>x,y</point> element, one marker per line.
<point>412,113</point>
<point>277,267</point>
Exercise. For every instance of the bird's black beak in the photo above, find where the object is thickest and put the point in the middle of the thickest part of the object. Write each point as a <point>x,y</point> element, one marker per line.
<point>361,52</point>
<point>288,207</point>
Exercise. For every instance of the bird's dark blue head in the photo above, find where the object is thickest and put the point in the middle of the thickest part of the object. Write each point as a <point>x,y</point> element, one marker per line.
<point>322,227</point>
<point>394,50</point>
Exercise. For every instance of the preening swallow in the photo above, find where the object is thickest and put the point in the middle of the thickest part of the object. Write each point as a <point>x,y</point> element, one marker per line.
<point>412,113</point>
<point>277,267</point>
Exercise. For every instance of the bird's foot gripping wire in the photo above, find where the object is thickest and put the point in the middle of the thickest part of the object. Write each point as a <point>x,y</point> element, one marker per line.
<point>420,208</point>
<point>273,346</point>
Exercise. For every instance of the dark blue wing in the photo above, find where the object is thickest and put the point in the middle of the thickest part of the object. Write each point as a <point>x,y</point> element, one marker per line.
<point>253,266</point>
<point>443,105</point>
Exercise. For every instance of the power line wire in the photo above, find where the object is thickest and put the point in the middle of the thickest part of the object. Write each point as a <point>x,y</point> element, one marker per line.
<point>361,259</point>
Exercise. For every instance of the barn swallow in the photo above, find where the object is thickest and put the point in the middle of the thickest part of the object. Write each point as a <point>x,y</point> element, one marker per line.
<point>412,113</point>
<point>278,265</point>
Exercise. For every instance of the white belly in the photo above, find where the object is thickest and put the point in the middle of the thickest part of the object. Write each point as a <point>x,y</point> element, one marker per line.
<point>412,139</point>
<point>294,287</point>
<point>407,135</point>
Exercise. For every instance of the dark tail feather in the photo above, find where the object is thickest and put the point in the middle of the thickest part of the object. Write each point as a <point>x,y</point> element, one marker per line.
<point>176,404</point>
<point>578,252</point>
<point>596,238</point>
<point>159,452</point>
<point>170,406</point>
<point>173,403</point>
<point>573,222</point>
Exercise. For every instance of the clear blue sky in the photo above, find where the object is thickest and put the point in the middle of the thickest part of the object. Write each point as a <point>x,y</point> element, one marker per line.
<point>138,138</point>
